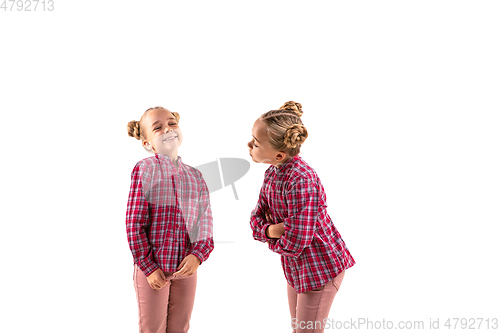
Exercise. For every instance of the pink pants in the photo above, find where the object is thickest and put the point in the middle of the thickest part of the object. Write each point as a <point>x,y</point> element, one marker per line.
<point>309,309</point>
<point>167,310</point>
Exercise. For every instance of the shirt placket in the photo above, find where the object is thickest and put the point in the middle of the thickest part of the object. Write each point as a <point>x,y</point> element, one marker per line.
<point>271,189</point>
<point>177,229</point>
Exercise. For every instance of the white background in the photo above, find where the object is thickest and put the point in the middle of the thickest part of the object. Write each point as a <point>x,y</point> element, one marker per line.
<point>401,100</point>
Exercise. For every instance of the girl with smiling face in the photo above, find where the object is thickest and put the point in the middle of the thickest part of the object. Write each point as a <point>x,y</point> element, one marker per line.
<point>291,218</point>
<point>169,225</point>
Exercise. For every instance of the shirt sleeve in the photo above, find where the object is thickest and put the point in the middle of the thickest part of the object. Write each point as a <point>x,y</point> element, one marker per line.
<point>258,221</point>
<point>204,243</point>
<point>303,211</point>
<point>137,221</point>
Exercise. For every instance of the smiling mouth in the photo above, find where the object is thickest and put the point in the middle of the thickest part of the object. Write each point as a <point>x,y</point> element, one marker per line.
<point>170,138</point>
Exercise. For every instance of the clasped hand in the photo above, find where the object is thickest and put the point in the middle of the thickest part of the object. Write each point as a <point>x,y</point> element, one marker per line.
<point>187,267</point>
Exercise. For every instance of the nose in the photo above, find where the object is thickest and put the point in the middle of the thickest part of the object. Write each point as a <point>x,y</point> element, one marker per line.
<point>249,144</point>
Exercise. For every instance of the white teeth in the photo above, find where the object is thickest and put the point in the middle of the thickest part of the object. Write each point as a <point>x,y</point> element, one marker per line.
<point>171,138</point>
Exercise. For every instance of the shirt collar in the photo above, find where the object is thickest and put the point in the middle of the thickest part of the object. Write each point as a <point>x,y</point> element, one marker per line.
<point>168,161</point>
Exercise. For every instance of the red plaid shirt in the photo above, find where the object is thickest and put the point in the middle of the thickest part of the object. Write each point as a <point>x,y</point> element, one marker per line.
<point>168,214</point>
<point>312,250</point>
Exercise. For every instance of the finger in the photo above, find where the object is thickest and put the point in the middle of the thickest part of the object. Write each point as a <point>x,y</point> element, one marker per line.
<point>270,216</point>
<point>182,271</point>
<point>183,262</point>
<point>179,271</point>
<point>162,275</point>
<point>159,283</point>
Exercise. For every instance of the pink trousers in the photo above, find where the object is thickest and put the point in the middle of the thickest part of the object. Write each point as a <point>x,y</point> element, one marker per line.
<point>167,310</point>
<point>309,309</point>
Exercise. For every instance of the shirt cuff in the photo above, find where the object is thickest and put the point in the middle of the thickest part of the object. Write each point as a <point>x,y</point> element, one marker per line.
<point>198,255</point>
<point>263,231</point>
<point>148,266</point>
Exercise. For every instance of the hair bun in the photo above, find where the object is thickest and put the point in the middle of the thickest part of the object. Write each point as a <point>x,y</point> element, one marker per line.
<point>133,129</point>
<point>176,116</point>
<point>294,107</point>
<point>295,135</point>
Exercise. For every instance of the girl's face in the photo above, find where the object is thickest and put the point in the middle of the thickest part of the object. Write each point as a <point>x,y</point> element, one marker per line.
<point>260,147</point>
<point>163,134</point>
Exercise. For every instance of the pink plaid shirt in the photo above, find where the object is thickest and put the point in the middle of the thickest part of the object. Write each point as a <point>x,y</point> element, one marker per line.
<point>312,250</point>
<point>168,214</point>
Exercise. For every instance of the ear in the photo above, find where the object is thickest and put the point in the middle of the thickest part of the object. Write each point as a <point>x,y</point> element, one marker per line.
<point>147,145</point>
<point>280,156</point>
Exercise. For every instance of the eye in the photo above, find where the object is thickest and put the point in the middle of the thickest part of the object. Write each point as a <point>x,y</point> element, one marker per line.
<point>156,128</point>
<point>173,124</point>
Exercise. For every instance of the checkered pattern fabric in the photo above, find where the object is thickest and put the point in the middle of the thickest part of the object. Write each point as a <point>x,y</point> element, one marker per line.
<point>168,214</point>
<point>312,250</point>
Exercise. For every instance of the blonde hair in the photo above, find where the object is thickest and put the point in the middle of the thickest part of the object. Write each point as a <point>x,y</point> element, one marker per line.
<point>136,130</point>
<point>285,128</point>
